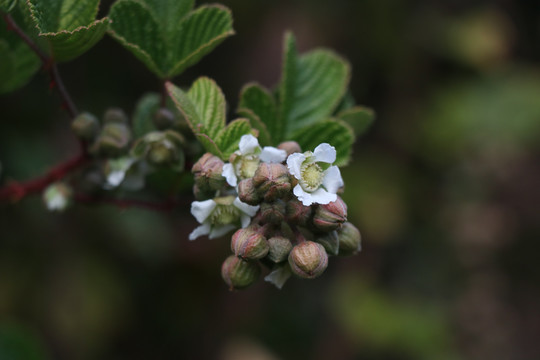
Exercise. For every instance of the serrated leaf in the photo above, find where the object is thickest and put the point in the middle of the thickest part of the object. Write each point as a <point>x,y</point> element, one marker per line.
<point>229,137</point>
<point>185,106</point>
<point>165,36</point>
<point>144,112</point>
<point>210,145</point>
<point>359,118</point>
<point>68,25</point>
<point>312,86</point>
<point>334,132</point>
<point>209,103</point>
<point>18,63</point>
<point>258,105</point>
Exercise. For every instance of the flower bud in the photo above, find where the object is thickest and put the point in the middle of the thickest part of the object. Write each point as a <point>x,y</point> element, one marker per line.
<point>57,196</point>
<point>207,172</point>
<point>163,119</point>
<point>113,140</point>
<point>330,216</point>
<point>308,259</point>
<point>249,244</point>
<point>239,273</point>
<point>279,250</point>
<point>247,192</point>
<point>273,212</point>
<point>349,239</point>
<point>297,213</point>
<point>115,116</point>
<point>85,126</point>
<point>272,181</point>
<point>290,147</point>
<point>330,242</point>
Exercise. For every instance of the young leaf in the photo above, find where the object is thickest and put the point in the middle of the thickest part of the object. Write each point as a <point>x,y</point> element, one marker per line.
<point>68,25</point>
<point>188,110</point>
<point>359,118</point>
<point>258,105</point>
<point>334,132</point>
<point>142,118</point>
<point>209,103</point>
<point>165,35</point>
<point>287,88</point>
<point>229,137</point>
<point>210,145</point>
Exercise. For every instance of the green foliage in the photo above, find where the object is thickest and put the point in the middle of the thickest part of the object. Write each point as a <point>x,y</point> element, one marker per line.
<point>258,105</point>
<point>203,107</point>
<point>17,61</point>
<point>69,26</point>
<point>7,5</point>
<point>165,35</point>
<point>359,118</point>
<point>144,111</point>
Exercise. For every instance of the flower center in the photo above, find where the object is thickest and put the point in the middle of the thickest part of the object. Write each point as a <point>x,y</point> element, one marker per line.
<point>246,166</point>
<point>225,212</point>
<point>312,176</point>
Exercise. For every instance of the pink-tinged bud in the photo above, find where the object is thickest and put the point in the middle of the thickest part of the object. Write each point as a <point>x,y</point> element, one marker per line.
<point>349,239</point>
<point>330,216</point>
<point>308,259</point>
<point>239,273</point>
<point>163,119</point>
<point>272,181</point>
<point>249,244</point>
<point>207,172</point>
<point>85,126</point>
<point>330,242</point>
<point>290,147</point>
<point>280,247</point>
<point>274,212</point>
<point>247,192</point>
<point>297,213</point>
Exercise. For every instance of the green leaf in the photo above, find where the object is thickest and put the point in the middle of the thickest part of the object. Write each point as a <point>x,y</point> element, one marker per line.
<point>210,104</point>
<point>229,137</point>
<point>18,63</point>
<point>210,145</point>
<point>258,105</point>
<point>359,118</point>
<point>185,106</point>
<point>165,35</point>
<point>334,132</point>
<point>312,86</point>
<point>68,25</point>
<point>7,5</point>
<point>144,112</point>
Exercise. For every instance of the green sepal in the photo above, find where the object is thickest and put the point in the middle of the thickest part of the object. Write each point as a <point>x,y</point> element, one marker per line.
<point>259,106</point>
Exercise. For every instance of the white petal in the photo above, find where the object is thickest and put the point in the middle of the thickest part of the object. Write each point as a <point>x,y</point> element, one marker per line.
<point>294,162</point>
<point>115,177</point>
<point>279,276</point>
<point>228,173</point>
<point>245,220</point>
<point>332,179</point>
<point>202,209</point>
<point>218,231</point>
<point>204,229</point>
<point>249,145</point>
<point>319,196</point>
<point>245,208</point>
<point>271,154</point>
<point>325,153</point>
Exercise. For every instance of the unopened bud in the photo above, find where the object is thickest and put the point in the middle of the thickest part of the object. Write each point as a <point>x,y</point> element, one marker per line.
<point>115,116</point>
<point>308,259</point>
<point>349,239</point>
<point>85,126</point>
<point>297,213</point>
<point>239,273</point>
<point>273,212</point>
<point>290,147</point>
<point>113,140</point>
<point>330,242</point>
<point>272,181</point>
<point>207,172</point>
<point>163,119</point>
<point>249,244</point>
<point>330,216</point>
<point>280,247</point>
<point>247,192</point>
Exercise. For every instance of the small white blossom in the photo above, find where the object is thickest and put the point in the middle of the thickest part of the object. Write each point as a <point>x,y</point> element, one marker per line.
<point>57,196</point>
<point>245,161</point>
<point>220,215</point>
<point>318,181</point>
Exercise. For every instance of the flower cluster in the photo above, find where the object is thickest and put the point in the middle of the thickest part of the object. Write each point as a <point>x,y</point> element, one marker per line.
<point>285,205</point>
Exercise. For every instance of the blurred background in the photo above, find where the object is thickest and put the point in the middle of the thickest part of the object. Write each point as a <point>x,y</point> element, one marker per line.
<point>444,188</point>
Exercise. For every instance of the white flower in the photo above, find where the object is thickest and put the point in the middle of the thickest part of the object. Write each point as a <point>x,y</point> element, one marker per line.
<point>245,161</point>
<point>220,215</point>
<point>318,181</point>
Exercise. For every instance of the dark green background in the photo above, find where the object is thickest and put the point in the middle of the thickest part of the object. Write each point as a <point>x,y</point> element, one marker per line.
<point>444,188</point>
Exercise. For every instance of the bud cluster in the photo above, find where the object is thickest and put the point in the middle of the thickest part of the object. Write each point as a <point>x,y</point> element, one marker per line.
<point>290,228</point>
